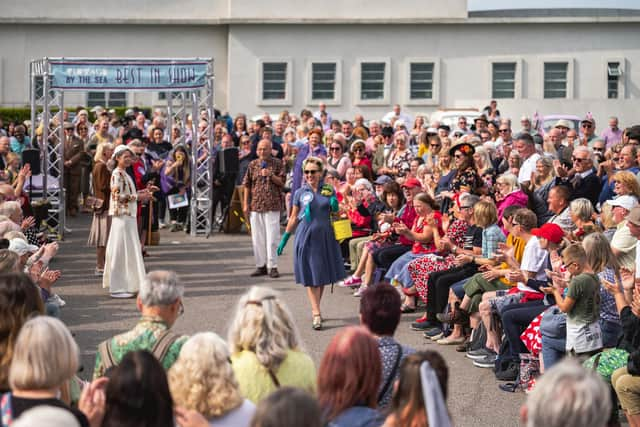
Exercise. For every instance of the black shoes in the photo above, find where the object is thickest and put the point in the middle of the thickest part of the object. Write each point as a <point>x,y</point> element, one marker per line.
<point>273,273</point>
<point>260,271</point>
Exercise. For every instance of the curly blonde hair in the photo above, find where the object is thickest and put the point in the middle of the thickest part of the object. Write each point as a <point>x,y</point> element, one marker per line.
<point>264,326</point>
<point>202,378</point>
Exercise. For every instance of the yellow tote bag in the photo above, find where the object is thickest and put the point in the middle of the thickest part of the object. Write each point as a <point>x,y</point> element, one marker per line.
<point>342,229</point>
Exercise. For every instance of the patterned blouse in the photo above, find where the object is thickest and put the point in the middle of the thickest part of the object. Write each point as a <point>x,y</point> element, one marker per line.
<point>400,161</point>
<point>123,185</point>
<point>467,178</point>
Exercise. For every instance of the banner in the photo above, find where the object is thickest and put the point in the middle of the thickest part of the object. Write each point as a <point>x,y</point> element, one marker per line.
<point>128,75</point>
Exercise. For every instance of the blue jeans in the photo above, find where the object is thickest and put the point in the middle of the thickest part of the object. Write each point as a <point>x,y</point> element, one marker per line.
<point>458,288</point>
<point>611,333</point>
<point>553,350</point>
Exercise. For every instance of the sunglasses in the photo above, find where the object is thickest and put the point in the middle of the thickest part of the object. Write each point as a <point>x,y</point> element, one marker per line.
<point>311,171</point>
<point>458,156</point>
<point>587,126</point>
<point>335,149</point>
<point>357,150</point>
<point>598,149</point>
<point>466,207</point>
<point>616,159</point>
<point>577,160</point>
<point>503,131</point>
<point>435,145</point>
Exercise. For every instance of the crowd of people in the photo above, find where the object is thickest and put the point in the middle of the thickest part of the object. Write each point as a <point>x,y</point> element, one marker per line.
<point>518,246</point>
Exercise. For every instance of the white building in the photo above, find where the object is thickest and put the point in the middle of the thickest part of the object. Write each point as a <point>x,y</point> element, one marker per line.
<point>354,55</point>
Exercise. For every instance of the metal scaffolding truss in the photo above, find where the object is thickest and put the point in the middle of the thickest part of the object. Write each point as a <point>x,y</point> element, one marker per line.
<point>47,105</point>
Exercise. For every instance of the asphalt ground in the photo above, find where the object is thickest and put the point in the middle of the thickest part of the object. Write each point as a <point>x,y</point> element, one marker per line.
<point>215,272</point>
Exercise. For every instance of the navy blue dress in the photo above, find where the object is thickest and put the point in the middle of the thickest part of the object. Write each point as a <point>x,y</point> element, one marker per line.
<point>317,259</point>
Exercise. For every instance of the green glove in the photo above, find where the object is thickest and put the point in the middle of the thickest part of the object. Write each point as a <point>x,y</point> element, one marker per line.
<point>283,242</point>
<point>334,204</point>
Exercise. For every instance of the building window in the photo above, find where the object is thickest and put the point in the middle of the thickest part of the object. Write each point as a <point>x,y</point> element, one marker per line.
<point>107,99</point>
<point>555,79</point>
<point>274,80</point>
<point>372,80</point>
<point>323,80</point>
<point>613,79</point>
<point>421,80</point>
<point>503,80</point>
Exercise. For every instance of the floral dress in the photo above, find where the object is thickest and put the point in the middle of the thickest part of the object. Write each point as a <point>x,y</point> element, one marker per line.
<point>421,268</point>
<point>467,178</point>
<point>400,161</point>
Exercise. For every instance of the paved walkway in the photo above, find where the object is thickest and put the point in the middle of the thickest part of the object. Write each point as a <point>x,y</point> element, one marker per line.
<point>216,272</point>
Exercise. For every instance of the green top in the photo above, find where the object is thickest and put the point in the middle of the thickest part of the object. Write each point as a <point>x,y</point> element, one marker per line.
<point>297,370</point>
<point>142,337</point>
<point>584,289</point>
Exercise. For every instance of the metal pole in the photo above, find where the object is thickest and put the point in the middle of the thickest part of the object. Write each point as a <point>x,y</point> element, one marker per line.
<point>32,93</point>
<point>194,172</point>
<point>170,114</point>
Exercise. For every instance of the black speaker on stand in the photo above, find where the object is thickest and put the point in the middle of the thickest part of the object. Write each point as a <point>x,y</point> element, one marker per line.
<point>31,156</point>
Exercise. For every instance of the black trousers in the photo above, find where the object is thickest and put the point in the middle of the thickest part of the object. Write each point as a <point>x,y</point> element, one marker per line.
<point>439,284</point>
<point>384,257</point>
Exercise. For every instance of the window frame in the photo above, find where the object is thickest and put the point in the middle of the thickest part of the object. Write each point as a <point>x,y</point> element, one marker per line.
<point>288,87</point>
<point>385,100</point>
<point>570,75</point>
<point>622,87</point>
<point>337,91</point>
<point>107,98</point>
<point>518,75</point>
<point>435,85</point>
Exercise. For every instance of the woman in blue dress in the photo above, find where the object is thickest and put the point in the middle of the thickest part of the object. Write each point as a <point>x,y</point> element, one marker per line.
<point>317,260</point>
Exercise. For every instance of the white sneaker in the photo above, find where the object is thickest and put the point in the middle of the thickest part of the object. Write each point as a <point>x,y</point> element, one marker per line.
<point>358,292</point>
<point>121,295</point>
<point>55,299</point>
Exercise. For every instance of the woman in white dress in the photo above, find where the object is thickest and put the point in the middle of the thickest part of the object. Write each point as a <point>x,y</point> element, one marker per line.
<point>124,267</point>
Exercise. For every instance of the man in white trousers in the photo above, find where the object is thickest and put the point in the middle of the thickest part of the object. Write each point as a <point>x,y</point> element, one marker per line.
<point>262,203</point>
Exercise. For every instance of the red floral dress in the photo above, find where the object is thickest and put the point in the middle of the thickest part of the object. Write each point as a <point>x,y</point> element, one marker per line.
<point>421,268</point>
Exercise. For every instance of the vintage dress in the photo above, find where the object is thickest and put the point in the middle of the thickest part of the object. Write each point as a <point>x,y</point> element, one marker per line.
<point>124,267</point>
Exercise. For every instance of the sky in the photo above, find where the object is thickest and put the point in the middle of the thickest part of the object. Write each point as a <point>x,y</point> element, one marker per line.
<point>541,4</point>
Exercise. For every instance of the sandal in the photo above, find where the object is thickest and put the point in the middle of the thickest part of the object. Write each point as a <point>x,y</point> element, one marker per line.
<point>317,322</point>
<point>407,309</point>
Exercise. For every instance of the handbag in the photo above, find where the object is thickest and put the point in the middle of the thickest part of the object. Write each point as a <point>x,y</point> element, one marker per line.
<point>554,323</point>
<point>342,229</point>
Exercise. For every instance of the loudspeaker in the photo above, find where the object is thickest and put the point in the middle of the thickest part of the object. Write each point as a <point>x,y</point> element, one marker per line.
<point>32,157</point>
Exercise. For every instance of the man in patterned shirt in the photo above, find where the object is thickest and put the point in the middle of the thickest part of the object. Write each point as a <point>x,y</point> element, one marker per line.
<point>160,302</point>
<point>262,203</point>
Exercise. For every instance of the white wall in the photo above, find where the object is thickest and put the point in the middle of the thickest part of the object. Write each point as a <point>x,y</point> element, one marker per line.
<point>22,43</point>
<point>465,52</point>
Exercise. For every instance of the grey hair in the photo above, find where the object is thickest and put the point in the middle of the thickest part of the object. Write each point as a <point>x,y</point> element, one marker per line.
<point>160,287</point>
<point>587,150</point>
<point>582,208</point>
<point>263,325</point>
<point>365,182</point>
<point>569,395</point>
<point>471,199</point>
<point>8,208</point>
<point>509,179</point>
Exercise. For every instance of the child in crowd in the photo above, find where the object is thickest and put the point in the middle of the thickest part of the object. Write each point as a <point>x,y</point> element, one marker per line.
<point>581,302</point>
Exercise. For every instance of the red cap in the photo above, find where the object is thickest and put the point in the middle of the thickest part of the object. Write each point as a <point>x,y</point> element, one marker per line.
<point>551,232</point>
<point>412,183</point>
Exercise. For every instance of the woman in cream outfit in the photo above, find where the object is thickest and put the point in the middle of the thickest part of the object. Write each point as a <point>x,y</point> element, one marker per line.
<point>124,267</point>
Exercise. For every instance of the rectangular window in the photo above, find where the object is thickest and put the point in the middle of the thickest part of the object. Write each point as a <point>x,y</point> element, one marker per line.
<point>274,80</point>
<point>613,79</point>
<point>323,80</point>
<point>107,99</point>
<point>372,79</point>
<point>555,79</point>
<point>96,98</point>
<point>117,99</point>
<point>503,80</point>
<point>421,80</point>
